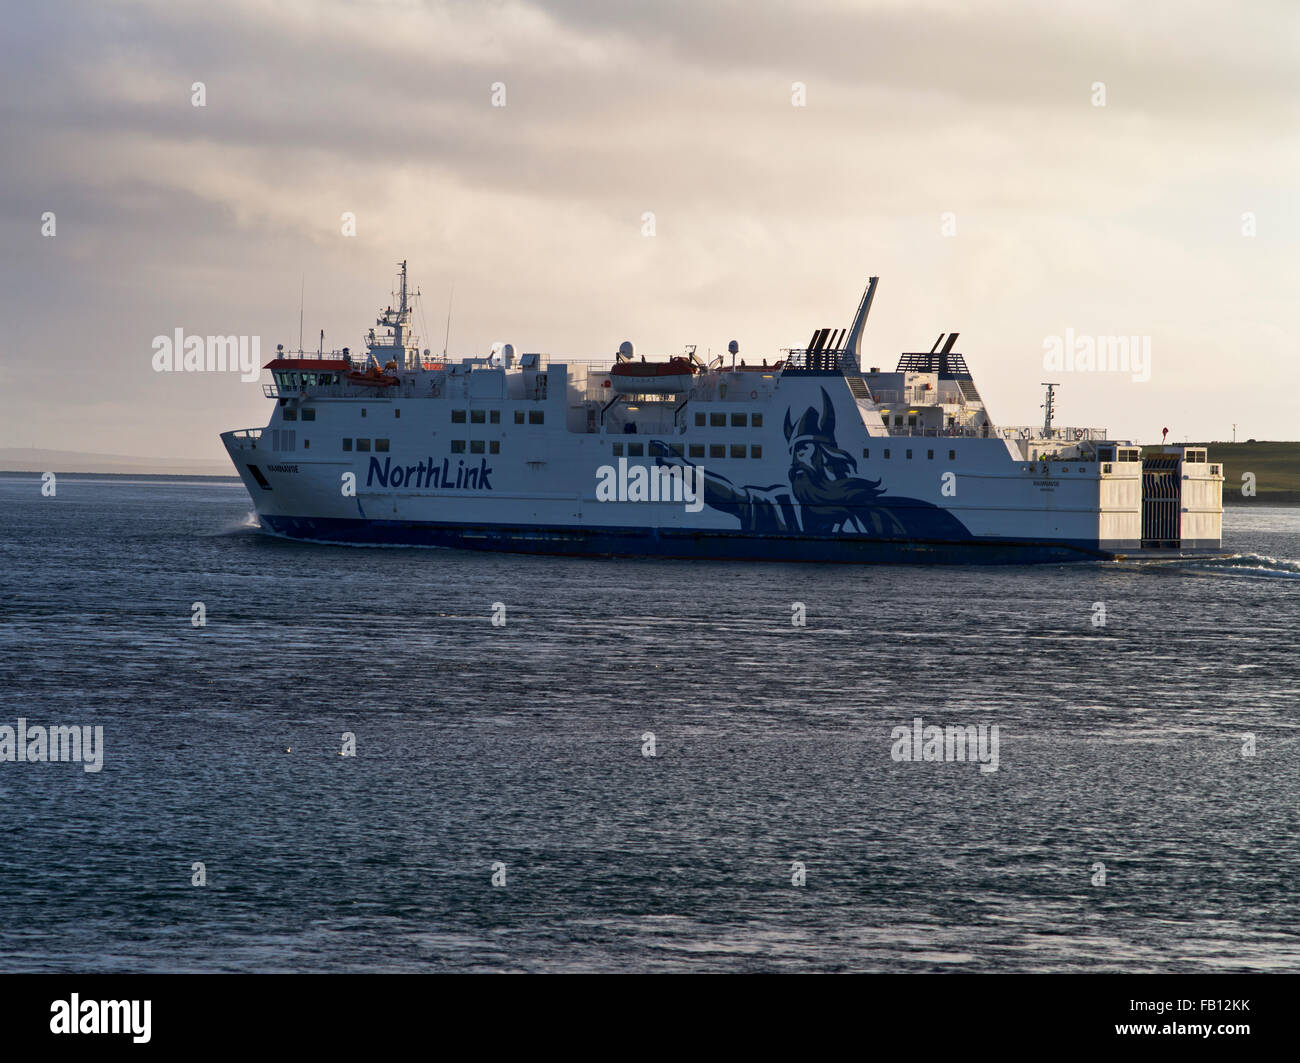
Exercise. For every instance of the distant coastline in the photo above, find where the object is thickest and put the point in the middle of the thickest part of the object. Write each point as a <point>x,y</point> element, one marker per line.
<point>23,460</point>
<point>1276,465</point>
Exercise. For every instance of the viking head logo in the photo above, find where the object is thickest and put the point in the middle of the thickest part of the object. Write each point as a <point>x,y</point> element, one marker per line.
<point>821,474</point>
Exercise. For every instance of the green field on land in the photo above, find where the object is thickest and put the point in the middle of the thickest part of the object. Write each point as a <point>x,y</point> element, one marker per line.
<point>1276,467</point>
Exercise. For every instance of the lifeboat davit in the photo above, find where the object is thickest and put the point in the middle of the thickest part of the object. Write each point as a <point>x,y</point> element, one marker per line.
<point>652,378</point>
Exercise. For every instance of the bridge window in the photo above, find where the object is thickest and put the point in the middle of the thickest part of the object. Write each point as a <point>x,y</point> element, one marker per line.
<point>381,445</point>
<point>363,445</point>
<point>737,450</point>
<point>677,450</point>
<point>458,446</point>
<point>457,416</point>
<point>618,450</point>
<point>290,415</point>
<point>636,450</point>
<point>309,415</point>
<point>699,420</point>
<point>717,420</point>
<point>536,416</point>
<point>697,450</point>
<point>717,450</point>
<point>738,421</point>
<point>755,451</point>
<point>477,416</point>
<point>476,446</point>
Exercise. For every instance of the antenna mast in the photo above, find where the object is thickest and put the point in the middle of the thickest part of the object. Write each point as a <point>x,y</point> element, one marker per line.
<point>301,292</point>
<point>1050,407</point>
<point>447,337</point>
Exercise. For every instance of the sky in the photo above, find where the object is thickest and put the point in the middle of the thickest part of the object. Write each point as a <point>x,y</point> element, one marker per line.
<point>586,172</point>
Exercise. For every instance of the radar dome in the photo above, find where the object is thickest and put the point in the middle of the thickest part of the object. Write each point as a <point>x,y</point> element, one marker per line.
<point>733,347</point>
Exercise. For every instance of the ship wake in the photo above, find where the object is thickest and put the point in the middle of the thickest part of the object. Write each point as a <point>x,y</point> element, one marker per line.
<point>1240,566</point>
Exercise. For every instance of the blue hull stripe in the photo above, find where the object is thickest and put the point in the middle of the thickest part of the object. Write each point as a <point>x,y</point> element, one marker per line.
<point>673,543</point>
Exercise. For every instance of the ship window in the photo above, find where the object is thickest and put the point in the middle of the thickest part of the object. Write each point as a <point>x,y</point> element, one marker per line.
<point>677,450</point>
<point>291,379</point>
<point>458,446</point>
<point>495,416</point>
<point>347,444</point>
<point>363,411</point>
<point>930,454</point>
<point>717,450</point>
<point>886,453</point>
<point>755,451</point>
<point>909,455</point>
<point>738,420</point>
<point>737,450</point>
<point>618,450</point>
<point>911,420</point>
<point>536,416</point>
<point>952,455</point>
<point>457,416</point>
<point>494,447</point>
<point>477,416</point>
<point>717,420</point>
<point>519,416</point>
<point>381,445</point>
<point>309,415</point>
<point>898,420</point>
<point>699,420</point>
<point>476,446</point>
<point>756,420</point>
<point>636,450</point>
<point>697,450</point>
<point>290,415</point>
<point>363,444</point>
<point>397,413</point>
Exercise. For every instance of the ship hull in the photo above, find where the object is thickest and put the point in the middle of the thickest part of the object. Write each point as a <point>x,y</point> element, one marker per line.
<point>620,542</point>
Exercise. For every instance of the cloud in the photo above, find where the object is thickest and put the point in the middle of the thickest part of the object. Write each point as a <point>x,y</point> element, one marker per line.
<point>768,216</point>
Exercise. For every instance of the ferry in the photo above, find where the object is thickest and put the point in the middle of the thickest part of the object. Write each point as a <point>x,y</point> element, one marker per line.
<point>802,456</point>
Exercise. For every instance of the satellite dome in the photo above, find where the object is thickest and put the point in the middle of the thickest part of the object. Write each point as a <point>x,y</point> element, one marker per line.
<point>626,349</point>
<point>733,347</point>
